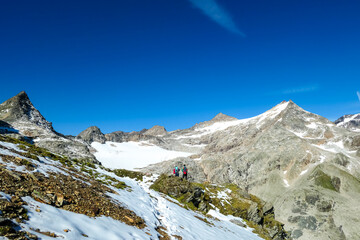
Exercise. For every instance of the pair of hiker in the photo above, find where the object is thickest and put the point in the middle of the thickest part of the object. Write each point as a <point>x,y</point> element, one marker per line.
<point>177,171</point>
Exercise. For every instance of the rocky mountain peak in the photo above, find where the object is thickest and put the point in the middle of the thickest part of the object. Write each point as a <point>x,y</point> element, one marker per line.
<point>156,131</point>
<point>288,106</point>
<point>20,109</point>
<point>220,117</point>
<point>350,121</point>
<point>92,134</point>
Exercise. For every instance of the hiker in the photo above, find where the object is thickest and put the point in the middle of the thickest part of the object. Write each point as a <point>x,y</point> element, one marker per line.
<point>176,171</point>
<point>184,170</point>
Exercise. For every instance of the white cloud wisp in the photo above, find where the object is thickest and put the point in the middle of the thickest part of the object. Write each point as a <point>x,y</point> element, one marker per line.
<point>301,89</point>
<point>358,94</point>
<point>214,11</point>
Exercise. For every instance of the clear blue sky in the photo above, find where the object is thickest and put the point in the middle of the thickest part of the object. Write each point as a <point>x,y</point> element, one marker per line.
<point>130,64</point>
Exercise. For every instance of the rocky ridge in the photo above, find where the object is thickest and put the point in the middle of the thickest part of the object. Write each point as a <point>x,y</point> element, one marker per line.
<point>92,134</point>
<point>350,122</point>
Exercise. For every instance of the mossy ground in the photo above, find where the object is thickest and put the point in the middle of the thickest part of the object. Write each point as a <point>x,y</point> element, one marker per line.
<point>324,180</point>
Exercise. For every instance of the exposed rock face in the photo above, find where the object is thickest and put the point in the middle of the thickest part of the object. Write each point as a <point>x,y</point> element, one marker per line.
<point>222,118</point>
<point>156,131</point>
<point>351,122</point>
<point>19,116</point>
<point>92,134</point>
<point>20,112</point>
<point>285,156</point>
<point>120,136</point>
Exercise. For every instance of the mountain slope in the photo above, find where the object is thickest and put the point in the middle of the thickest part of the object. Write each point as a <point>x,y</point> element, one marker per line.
<point>286,156</point>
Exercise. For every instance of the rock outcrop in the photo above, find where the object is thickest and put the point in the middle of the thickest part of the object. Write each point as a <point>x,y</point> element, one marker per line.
<point>156,131</point>
<point>92,134</point>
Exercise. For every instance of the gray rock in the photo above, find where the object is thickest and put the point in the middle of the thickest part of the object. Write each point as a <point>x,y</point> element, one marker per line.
<point>296,234</point>
<point>156,131</point>
<point>237,222</point>
<point>267,208</point>
<point>324,206</point>
<point>253,213</point>
<point>92,134</point>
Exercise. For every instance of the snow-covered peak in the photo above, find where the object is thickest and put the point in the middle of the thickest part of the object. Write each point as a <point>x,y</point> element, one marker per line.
<point>272,113</point>
<point>350,122</point>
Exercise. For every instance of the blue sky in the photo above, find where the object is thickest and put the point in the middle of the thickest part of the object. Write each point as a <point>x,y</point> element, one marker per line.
<point>127,65</point>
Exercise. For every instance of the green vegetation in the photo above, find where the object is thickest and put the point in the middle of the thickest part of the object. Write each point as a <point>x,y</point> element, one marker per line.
<point>120,185</point>
<point>204,220</point>
<point>324,180</point>
<point>25,162</point>
<point>127,173</point>
<point>5,229</point>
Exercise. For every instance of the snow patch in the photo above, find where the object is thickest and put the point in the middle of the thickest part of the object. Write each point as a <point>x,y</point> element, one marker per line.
<point>303,172</point>
<point>133,155</point>
<point>312,125</point>
<point>56,220</point>
<point>271,114</point>
<point>286,183</point>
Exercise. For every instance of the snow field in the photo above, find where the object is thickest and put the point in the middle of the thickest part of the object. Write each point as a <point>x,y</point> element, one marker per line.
<point>132,155</point>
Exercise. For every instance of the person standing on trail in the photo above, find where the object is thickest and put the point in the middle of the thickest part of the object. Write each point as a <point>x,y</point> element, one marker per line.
<point>184,170</point>
<point>176,171</point>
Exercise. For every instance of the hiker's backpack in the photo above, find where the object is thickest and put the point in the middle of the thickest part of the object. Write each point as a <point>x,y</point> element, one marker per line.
<point>174,170</point>
<point>185,170</point>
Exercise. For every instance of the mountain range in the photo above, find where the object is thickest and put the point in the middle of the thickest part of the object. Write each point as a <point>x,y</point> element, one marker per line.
<point>306,166</point>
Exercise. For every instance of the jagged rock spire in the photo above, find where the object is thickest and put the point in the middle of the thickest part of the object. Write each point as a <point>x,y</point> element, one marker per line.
<point>19,108</point>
